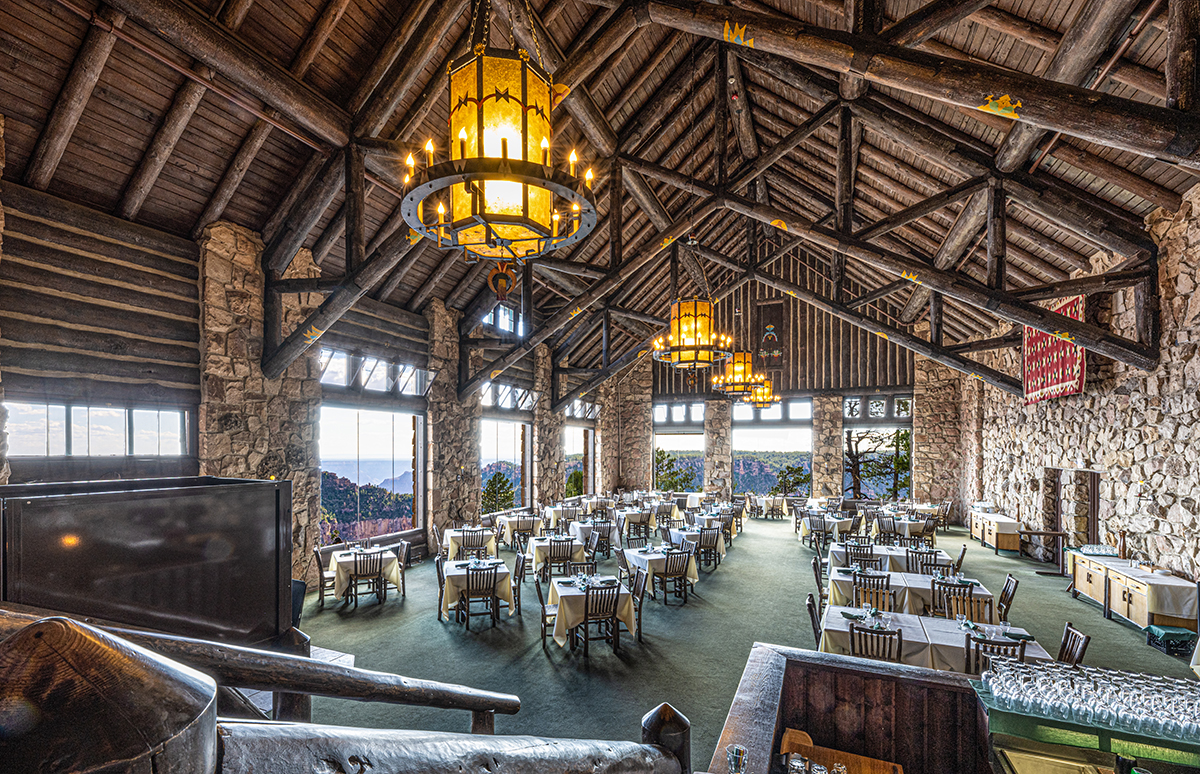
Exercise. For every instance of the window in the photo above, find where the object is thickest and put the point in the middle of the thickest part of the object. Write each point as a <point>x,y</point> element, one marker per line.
<point>679,461</point>
<point>800,409</point>
<point>877,463</point>
<point>771,413</point>
<point>506,396</point>
<point>505,319</point>
<point>582,409</point>
<point>47,430</point>
<point>370,470</point>
<point>504,461</point>
<point>372,374</point>
<point>697,412</point>
<point>852,408</point>
<point>876,407</point>
<point>774,459</point>
<point>579,451</point>
<point>660,413</point>
<point>678,413</point>
<point>743,412</point>
<point>903,408</point>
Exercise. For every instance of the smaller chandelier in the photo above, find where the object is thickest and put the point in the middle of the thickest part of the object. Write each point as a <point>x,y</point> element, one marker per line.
<point>762,396</point>
<point>691,341</point>
<point>739,377</point>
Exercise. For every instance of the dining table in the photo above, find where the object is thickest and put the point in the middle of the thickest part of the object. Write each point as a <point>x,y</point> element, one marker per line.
<point>913,592</point>
<point>582,530</point>
<point>907,528</point>
<point>714,520</point>
<point>653,561</point>
<point>679,534</point>
<point>456,583</point>
<point>342,564</point>
<point>934,643</point>
<point>452,540</point>
<point>895,557</point>
<point>570,598</point>
<point>635,512</point>
<point>505,525</point>
<point>539,549</point>
<point>838,525</point>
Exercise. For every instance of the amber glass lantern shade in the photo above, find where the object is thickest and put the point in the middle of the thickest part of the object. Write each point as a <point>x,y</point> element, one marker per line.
<point>692,341</point>
<point>763,396</point>
<point>499,109</point>
<point>738,378</point>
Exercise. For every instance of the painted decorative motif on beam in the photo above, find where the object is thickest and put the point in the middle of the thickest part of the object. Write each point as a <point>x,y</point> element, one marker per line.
<point>1001,107</point>
<point>312,334</point>
<point>737,34</point>
<point>779,224</point>
<point>1053,365</point>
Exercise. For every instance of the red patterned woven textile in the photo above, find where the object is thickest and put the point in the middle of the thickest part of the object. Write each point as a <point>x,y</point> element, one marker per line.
<point>1053,365</point>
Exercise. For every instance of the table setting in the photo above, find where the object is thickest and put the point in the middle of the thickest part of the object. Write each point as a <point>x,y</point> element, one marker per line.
<point>653,560</point>
<point>342,563</point>
<point>456,581</point>
<point>539,549</point>
<point>453,540</point>
<point>570,595</point>
<point>679,534</point>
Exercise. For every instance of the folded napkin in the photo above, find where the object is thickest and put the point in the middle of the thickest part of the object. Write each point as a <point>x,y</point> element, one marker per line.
<point>608,582</point>
<point>970,625</point>
<point>1019,636</point>
<point>852,616</point>
<point>966,582</point>
<point>460,565</point>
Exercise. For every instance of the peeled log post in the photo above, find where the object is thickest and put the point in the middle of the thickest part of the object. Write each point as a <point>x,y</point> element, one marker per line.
<point>1183,32</point>
<point>957,286</point>
<point>925,22</point>
<point>996,236</point>
<point>68,108</point>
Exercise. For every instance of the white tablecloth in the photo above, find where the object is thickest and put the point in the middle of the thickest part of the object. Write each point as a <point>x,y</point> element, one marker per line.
<point>456,583</point>
<point>838,525</point>
<point>582,531</point>
<point>1166,594</point>
<point>934,643</point>
<point>678,536</point>
<point>908,529</point>
<point>714,520</point>
<point>453,540</point>
<point>539,548</point>
<point>570,600</point>
<point>914,593</point>
<point>627,513</point>
<point>342,563</point>
<point>653,563</point>
<point>504,523</point>
<point>1004,524</point>
<point>895,557</point>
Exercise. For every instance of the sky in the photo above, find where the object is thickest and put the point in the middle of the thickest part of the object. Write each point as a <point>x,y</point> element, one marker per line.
<point>348,434</point>
<point>97,431</point>
<point>783,439</point>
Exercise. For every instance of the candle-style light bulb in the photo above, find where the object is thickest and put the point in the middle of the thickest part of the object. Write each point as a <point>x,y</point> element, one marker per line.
<point>441,217</point>
<point>545,152</point>
<point>411,163</point>
<point>429,150</point>
<point>554,224</point>
<point>462,143</point>
<point>587,177</point>
<point>573,159</point>
<point>407,177</point>
<point>441,211</point>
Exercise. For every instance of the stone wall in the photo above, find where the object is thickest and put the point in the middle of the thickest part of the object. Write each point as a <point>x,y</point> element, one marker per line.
<point>937,432</point>
<point>627,426</point>
<point>250,426</point>
<point>549,459</point>
<point>1128,425</point>
<point>827,464</point>
<point>970,445</point>
<point>452,464</point>
<point>3,413</point>
<point>718,448</point>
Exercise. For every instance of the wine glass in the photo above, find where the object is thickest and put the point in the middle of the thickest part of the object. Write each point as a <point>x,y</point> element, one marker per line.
<point>962,620</point>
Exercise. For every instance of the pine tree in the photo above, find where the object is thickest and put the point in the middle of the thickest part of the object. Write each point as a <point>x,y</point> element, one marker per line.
<point>669,475</point>
<point>575,483</point>
<point>497,494</point>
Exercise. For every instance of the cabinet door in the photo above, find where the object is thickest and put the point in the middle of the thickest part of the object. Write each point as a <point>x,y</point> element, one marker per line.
<point>1137,605</point>
<point>1083,578</point>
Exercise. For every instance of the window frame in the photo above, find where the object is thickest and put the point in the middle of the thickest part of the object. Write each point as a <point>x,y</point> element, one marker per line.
<point>187,430</point>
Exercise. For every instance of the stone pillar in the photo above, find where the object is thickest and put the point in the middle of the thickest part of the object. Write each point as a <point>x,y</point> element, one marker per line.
<point>626,429</point>
<point>971,443</point>
<point>827,462</point>
<point>3,413</point>
<point>549,460</point>
<point>452,463</point>
<point>608,436</point>
<point>937,432</point>
<point>249,426</point>
<point>718,448</point>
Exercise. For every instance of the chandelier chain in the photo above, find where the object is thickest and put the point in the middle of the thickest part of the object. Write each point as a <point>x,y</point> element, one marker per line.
<point>537,48</point>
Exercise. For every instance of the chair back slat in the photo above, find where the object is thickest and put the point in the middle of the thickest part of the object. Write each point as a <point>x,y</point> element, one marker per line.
<point>600,602</point>
<point>943,591</point>
<point>1074,645</point>
<point>481,581</point>
<point>977,609</point>
<point>878,644</point>
<point>981,650</point>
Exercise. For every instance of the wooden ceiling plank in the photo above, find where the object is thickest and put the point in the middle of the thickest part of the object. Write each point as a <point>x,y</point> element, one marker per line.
<point>71,101</point>
<point>925,22</point>
<point>431,282</point>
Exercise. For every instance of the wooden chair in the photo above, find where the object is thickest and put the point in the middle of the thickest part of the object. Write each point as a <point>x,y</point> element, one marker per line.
<point>440,541</point>
<point>856,523</point>
<point>958,563</point>
<point>674,574</point>
<point>486,520</point>
<point>916,558</point>
<point>602,530</point>
<point>878,644</point>
<point>710,552</point>
<point>820,577</point>
<point>587,568</point>
<point>600,610</point>
<point>856,552</point>
<point>664,534</point>
<point>774,508</point>
<point>548,612</point>
<point>1005,600</point>
<point>662,513</point>
<point>481,588</point>
<point>368,568</point>
<point>918,542</point>
<point>874,590</point>
<point>474,544</point>
<point>943,514</point>
<point>592,545</point>
<point>327,576</point>
<point>636,542</point>
<point>1074,645</point>
<point>872,563</point>
<point>814,616</point>
<point>638,526</point>
<point>688,546</point>
<point>936,566</point>
<point>727,529</point>
<point>980,649</point>
<point>689,517</point>
<point>439,562</point>
<point>753,509</point>
<point>624,574</point>
<point>929,528</point>
<point>522,532</point>
<point>558,557</point>
<point>942,592</point>
<point>887,526</point>
<point>977,609</point>
<point>517,579</point>
<point>637,593</point>
<point>818,532</point>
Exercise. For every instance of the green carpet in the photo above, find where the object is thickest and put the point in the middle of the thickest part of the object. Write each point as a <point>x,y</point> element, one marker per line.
<point>693,655</point>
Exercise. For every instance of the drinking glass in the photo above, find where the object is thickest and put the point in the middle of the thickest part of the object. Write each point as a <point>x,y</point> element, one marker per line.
<point>736,755</point>
<point>962,620</point>
<point>866,610</point>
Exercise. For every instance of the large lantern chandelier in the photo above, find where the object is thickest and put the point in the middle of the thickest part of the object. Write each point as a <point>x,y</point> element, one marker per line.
<point>498,194</point>
<point>691,341</point>
<point>762,395</point>
<point>738,378</point>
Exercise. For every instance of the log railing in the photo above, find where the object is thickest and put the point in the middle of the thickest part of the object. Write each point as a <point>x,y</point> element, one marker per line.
<point>240,667</point>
